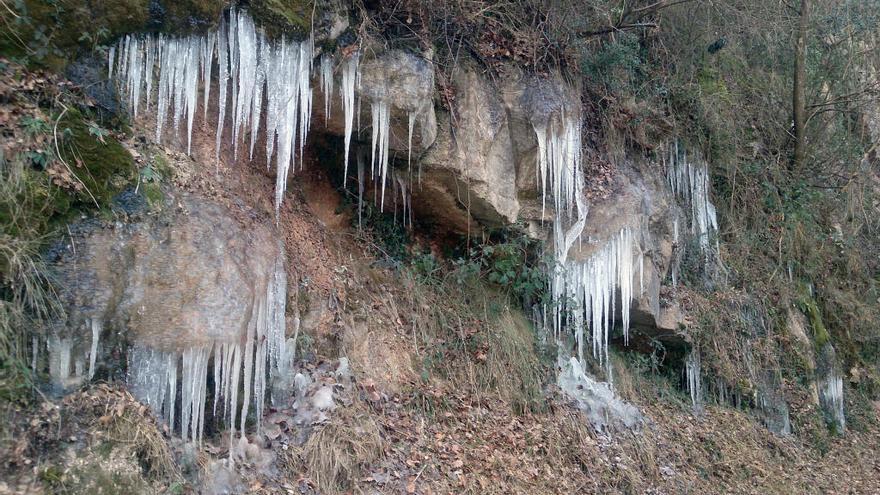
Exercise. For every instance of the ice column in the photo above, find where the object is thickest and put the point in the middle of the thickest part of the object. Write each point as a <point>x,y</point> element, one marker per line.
<point>349,78</point>
<point>692,372</point>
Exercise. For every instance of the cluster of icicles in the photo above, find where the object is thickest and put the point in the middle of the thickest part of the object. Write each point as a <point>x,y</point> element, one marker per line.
<point>832,389</point>
<point>688,178</point>
<point>692,375</point>
<point>153,375</point>
<point>583,292</point>
<point>254,76</point>
<point>61,356</point>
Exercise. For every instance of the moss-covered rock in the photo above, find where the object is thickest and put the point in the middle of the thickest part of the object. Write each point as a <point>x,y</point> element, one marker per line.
<point>811,309</point>
<point>184,16</point>
<point>103,165</point>
<point>291,18</point>
<point>50,33</point>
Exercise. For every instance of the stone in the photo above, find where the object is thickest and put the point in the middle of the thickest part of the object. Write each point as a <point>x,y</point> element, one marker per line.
<point>182,279</point>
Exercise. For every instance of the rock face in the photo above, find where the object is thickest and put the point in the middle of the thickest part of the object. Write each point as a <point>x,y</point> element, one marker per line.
<point>169,290</point>
<point>185,279</point>
<point>402,79</point>
<point>474,164</point>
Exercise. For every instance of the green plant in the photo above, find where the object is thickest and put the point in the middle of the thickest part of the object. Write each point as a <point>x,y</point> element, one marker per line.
<point>513,265</point>
<point>34,126</point>
<point>616,65</point>
<point>98,132</point>
<point>39,158</point>
<point>425,266</point>
<point>149,173</point>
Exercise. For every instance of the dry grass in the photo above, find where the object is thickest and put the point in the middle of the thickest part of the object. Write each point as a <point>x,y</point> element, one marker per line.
<point>471,338</point>
<point>113,415</point>
<point>335,455</point>
<point>26,295</point>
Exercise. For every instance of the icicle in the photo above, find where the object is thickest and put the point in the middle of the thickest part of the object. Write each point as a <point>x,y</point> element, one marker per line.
<point>207,63</point>
<point>245,74</point>
<point>35,351</point>
<point>305,96</point>
<point>111,60</point>
<point>275,320</point>
<point>218,372</point>
<point>257,107</point>
<point>248,360</point>
<point>171,383</point>
<point>60,350</point>
<point>327,84</point>
<point>591,286</point>
<point>192,86</point>
<point>410,125</point>
<point>381,128</point>
<point>349,76</point>
<point>223,65</point>
<point>692,370</point>
<point>405,201</point>
<point>360,172</point>
<point>833,394</point>
<point>689,181</point>
<point>152,378</point>
<point>93,352</point>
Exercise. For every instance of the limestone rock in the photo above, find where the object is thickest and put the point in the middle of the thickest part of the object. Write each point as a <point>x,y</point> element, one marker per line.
<point>188,278</point>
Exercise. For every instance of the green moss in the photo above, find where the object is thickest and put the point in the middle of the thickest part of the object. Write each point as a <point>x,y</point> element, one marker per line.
<point>51,475</point>
<point>161,166</point>
<point>105,168</point>
<point>153,193</point>
<point>711,83</point>
<point>284,17</point>
<point>811,309</point>
<point>49,32</point>
<point>191,15</point>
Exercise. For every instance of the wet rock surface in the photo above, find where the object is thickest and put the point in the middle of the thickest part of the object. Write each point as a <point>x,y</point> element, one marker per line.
<point>185,277</point>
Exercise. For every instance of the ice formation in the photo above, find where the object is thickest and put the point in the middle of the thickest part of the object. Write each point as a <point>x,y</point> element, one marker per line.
<point>327,84</point>
<point>831,396</point>
<point>349,79</point>
<point>692,372</point>
<point>598,401</point>
<point>689,180</point>
<point>411,121</point>
<point>583,291</point>
<point>60,351</point>
<point>249,67</point>
<point>96,326</point>
<point>559,162</point>
<point>67,364</point>
<point>399,186</point>
<point>587,295</point>
<point>379,162</point>
<point>238,364</point>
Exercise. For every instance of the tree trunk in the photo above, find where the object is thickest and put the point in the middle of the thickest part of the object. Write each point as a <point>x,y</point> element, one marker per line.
<point>799,92</point>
